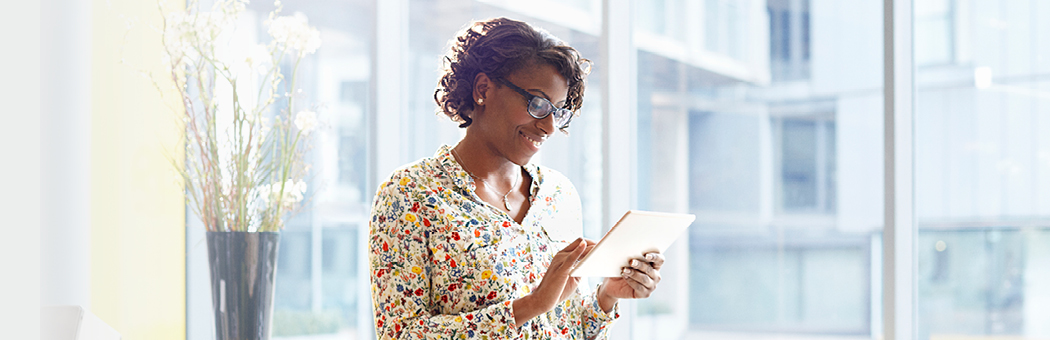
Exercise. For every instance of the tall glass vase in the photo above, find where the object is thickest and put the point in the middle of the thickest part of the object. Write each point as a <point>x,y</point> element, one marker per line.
<point>243,270</point>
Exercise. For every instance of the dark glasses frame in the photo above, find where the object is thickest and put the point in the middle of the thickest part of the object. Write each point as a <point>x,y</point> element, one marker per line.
<point>562,117</point>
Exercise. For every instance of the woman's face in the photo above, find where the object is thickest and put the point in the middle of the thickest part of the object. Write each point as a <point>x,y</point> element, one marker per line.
<point>505,123</point>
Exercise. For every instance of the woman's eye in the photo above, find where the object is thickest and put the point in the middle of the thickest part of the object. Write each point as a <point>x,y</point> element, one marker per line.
<point>537,104</point>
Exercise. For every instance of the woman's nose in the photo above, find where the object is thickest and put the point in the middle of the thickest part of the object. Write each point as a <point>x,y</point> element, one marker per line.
<point>547,124</point>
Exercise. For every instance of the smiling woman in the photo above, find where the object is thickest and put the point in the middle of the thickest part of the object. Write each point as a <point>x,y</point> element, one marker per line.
<point>455,257</point>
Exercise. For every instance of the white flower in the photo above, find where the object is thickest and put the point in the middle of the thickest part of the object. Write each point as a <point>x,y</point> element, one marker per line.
<point>179,36</point>
<point>265,126</point>
<point>259,58</point>
<point>306,121</point>
<point>294,32</point>
<point>299,190</point>
<point>232,8</point>
<point>263,192</point>
<point>186,34</point>
<point>239,60</point>
<point>211,43</point>
<point>293,192</point>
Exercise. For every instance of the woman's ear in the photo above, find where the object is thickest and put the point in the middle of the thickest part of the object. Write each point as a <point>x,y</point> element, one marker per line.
<point>482,85</point>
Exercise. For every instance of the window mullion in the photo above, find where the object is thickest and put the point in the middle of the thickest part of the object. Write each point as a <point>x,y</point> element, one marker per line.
<point>900,233</point>
<point>619,121</point>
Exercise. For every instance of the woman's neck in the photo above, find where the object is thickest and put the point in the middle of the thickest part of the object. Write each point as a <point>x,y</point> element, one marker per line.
<point>486,163</point>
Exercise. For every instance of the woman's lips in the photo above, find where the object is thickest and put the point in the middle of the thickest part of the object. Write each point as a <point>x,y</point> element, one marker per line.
<point>536,141</point>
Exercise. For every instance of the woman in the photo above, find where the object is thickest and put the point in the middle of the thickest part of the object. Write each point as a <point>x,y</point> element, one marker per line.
<point>465,244</point>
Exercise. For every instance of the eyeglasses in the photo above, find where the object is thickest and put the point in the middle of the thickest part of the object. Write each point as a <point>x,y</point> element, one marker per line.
<point>540,107</point>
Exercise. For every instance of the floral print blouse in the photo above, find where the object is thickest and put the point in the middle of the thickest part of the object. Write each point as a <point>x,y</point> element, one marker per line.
<point>446,265</point>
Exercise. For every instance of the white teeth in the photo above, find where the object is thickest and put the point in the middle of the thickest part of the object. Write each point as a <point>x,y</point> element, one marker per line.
<point>534,142</point>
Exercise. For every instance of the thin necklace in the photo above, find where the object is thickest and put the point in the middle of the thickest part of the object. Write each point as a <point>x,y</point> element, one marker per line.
<point>517,179</point>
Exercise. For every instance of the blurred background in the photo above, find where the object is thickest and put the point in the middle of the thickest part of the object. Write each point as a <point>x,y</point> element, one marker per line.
<point>762,117</point>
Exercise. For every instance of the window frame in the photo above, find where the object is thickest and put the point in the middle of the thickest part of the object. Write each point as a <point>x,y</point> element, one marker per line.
<point>618,49</point>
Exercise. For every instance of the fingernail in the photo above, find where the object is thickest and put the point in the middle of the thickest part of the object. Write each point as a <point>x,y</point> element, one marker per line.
<point>626,271</point>
<point>635,263</point>
<point>650,257</point>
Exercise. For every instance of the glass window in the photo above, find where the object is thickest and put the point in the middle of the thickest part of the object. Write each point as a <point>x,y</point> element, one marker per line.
<point>724,27</point>
<point>319,294</point>
<point>789,37</point>
<point>982,169</point>
<point>651,18</point>
<point>780,158</point>
<point>665,18</point>
<point>934,32</point>
<point>321,291</point>
<point>724,162</point>
<point>782,243</point>
<point>350,152</point>
<point>792,285</point>
<point>805,162</point>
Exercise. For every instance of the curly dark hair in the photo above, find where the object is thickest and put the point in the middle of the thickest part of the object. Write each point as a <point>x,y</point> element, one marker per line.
<point>499,47</point>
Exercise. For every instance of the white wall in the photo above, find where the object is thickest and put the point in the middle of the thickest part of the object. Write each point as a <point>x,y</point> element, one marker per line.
<point>20,151</point>
<point>65,143</point>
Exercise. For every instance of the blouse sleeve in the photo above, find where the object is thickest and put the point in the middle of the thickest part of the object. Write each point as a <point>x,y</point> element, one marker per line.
<point>401,291</point>
<point>596,322</point>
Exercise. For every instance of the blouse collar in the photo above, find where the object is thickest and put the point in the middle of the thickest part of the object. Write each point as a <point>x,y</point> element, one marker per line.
<point>462,180</point>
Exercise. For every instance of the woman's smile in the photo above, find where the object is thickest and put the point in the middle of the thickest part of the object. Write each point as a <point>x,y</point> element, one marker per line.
<point>535,141</point>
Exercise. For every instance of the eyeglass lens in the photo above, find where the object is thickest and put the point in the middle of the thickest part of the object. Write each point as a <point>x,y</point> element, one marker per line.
<point>540,108</point>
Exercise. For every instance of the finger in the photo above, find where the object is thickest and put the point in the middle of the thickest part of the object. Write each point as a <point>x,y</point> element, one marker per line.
<point>656,259</point>
<point>647,269</point>
<point>581,249</point>
<point>637,289</point>
<point>633,274</point>
<point>590,246</point>
<point>588,251</point>
<point>570,259</point>
<point>572,245</point>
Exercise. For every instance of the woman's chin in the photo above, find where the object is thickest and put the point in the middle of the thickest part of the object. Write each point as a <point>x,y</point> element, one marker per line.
<point>529,147</point>
<point>522,160</point>
<point>522,157</point>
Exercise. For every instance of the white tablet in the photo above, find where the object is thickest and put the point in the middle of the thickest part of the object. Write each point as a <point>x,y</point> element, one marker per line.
<point>637,233</point>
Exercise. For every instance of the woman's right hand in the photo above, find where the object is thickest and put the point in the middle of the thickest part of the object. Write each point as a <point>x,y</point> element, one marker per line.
<point>556,285</point>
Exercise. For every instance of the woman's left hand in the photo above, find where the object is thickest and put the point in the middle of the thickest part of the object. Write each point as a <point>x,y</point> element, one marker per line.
<point>637,281</point>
